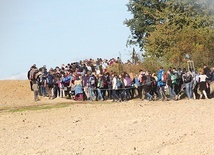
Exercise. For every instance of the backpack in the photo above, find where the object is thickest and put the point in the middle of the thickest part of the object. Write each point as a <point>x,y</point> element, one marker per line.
<point>148,81</point>
<point>143,79</point>
<point>209,75</point>
<point>212,76</point>
<point>179,75</point>
<point>169,80</point>
<point>66,79</point>
<point>163,76</point>
<point>108,80</point>
<point>100,83</point>
<point>129,81</point>
<point>136,82</point>
<point>34,73</point>
<point>173,78</point>
<point>28,74</point>
<point>50,80</point>
<point>187,78</point>
<point>41,79</point>
<point>105,81</point>
<point>119,83</point>
<point>92,81</point>
<point>153,82</point>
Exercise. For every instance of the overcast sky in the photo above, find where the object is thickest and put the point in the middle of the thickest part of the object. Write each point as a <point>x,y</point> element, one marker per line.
<point>52,32</point>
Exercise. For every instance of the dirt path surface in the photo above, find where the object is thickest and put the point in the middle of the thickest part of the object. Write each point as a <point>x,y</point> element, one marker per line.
<point>183,127</point>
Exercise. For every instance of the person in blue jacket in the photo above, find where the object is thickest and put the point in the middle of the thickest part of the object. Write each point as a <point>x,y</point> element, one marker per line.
<point>161,84</point>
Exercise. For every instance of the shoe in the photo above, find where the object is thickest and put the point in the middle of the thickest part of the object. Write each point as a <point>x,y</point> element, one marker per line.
<point>178,97</point>
<point>151,99</point>
<point>164,99</point>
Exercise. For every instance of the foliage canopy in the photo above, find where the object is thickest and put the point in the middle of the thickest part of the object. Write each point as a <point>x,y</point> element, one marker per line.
<point>167,30</point>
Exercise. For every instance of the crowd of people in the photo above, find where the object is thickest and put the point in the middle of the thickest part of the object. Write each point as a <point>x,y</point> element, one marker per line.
<point>90,80</point>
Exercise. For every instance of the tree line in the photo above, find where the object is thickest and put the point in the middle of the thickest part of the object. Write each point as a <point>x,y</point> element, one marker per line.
<point>167,30</point>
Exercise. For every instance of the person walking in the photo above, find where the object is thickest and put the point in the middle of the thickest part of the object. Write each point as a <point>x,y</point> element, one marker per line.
<point>188,79</point>
<point>203,84</point>
<point>162,77</point>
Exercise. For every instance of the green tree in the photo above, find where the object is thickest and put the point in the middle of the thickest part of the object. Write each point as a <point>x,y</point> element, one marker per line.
<point>180,27</point>
<point>144,19</point>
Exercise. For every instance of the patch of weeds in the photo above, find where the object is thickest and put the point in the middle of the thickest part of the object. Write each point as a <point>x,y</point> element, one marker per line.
<point>52,106</point>
<point>39,107</point>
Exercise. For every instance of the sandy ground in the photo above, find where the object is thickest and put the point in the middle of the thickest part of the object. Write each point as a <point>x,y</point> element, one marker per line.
<point>182,127</point>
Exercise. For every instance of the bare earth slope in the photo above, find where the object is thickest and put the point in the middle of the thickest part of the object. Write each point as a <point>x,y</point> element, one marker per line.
<point>182,127</point>
<point>17,93</point>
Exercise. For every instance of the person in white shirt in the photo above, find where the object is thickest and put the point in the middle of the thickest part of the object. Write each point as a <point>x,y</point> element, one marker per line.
<point>115,88</point>
<point>202,84</point>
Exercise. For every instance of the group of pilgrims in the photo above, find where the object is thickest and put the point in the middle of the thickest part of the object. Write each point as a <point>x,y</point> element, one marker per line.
<point>91,81</point>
